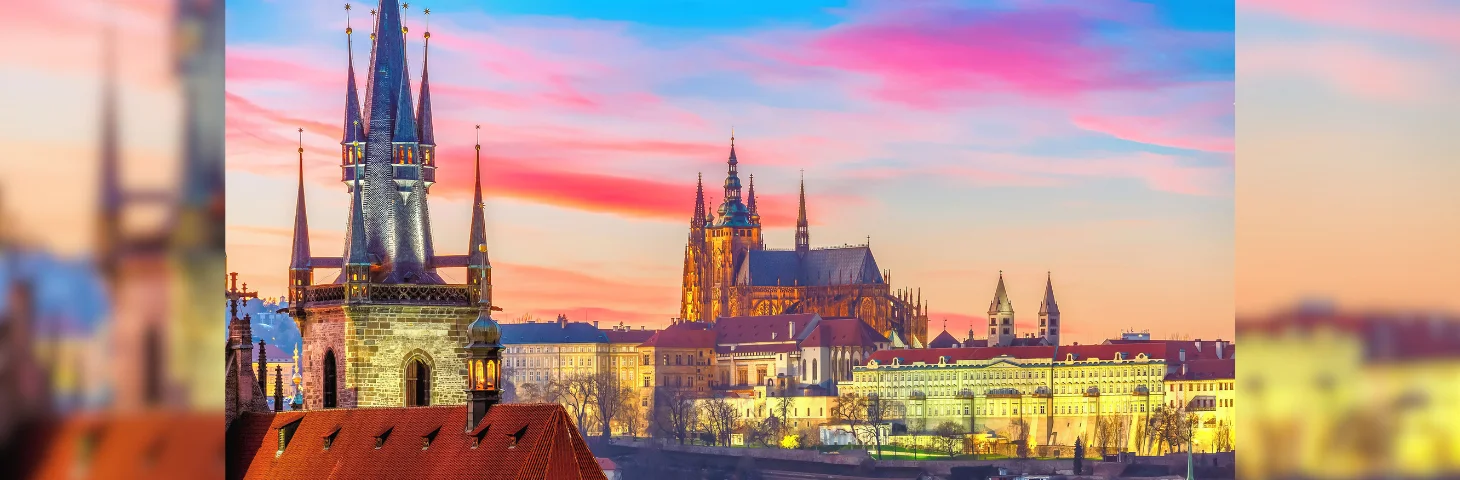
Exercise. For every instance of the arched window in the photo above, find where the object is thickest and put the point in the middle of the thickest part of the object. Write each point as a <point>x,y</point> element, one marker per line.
<point>418,383</point>
<point>329,379</point>
<point>813,370</point>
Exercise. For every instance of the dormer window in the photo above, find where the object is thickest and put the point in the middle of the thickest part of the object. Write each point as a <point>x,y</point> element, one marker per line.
<point>329,440</point>
<point>286,433</point>
<point>476,440</point>
<point>428,438</point>
<point>380,439</point>
<point>517,437</point>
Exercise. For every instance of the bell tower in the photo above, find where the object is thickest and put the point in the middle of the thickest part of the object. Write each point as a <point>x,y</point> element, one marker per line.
<point>1049,314</point>
<point>1001,317</point>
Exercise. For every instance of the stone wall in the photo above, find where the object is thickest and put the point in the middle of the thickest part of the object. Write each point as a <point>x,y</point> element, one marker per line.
<point>380,339</point>
<point>324,330</point>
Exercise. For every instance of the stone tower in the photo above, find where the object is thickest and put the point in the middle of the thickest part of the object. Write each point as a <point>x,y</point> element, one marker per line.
<point>1001,317</point>
<point>729,236</point>
<point>1049,314</point>
<point>388,331</point>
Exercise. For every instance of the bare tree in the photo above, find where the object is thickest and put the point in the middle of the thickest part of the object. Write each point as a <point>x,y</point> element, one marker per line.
<point>674,413</point>
<point>629,416</point>
<point>948,438</point>
<point>1223,442</point>
<point>721,418</point>
<point>864,415</point>
<point>1018,433</point>
<point>781,409</point>
<point>606,396</point>
<point>575,391</point>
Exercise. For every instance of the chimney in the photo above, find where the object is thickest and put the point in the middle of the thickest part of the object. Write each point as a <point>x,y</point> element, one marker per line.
<point>1181,355</point>
<point>792,329</point>
<point>1198,345</point>
<point>1219,349</point>
<point>1183,370</point>
<point>595,324</point>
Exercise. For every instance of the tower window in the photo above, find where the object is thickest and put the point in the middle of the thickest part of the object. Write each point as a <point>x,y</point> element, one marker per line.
<point>418,384</point>
<point>329,379</point>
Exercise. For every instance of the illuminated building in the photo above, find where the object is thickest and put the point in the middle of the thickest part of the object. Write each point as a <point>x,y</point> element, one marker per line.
<point>728,272</point>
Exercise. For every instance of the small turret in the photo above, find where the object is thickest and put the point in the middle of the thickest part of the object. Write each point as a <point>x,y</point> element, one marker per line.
<point>357,260</point>
<point>484,369</point>
<point>479,264</point>
<point>300,273</point>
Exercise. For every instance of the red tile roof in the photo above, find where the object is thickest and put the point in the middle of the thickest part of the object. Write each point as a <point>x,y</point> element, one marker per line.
<point>606,464</point>
<point>681,335</point>
<point>760,328</point>
<point>550,446</point>
<point>1207,370</point>
<point>629,336</point>
<point>1081,352</point>
<point>843,332</point>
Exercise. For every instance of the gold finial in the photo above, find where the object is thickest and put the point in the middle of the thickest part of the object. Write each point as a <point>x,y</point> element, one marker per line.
<point>479,137</point>
<point>404,16</point>
<point>427,12</point>
<point>732,135</point>
<point>348,30</point>
<point>301,140</point>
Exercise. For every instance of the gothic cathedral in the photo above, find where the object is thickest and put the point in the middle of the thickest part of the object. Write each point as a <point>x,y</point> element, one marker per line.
<point>728,271</point>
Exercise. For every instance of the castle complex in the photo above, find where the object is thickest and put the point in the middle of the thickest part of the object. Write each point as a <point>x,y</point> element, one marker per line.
<point>728,272</point>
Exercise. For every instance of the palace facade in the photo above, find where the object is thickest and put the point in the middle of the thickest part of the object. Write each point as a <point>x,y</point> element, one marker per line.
<point>728,271</point>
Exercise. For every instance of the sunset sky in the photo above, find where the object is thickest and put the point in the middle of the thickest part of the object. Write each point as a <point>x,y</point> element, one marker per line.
<point>1090,139</point>
<point>1347,134</point>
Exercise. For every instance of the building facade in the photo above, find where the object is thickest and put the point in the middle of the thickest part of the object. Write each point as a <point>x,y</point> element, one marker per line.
<point>1046,395</point>
<point>728,272</point>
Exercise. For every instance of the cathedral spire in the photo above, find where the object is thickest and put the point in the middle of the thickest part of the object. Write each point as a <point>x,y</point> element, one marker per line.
<point>750,202</point>
<point>299,259</point>
<point>405,123</point>
<point>425,133</point>
<point>1048,305</point>
<point>732,210</point>
<point>477,246</point>
<point>803,232</point>
<point>697,219</point>
<point>354,124</point>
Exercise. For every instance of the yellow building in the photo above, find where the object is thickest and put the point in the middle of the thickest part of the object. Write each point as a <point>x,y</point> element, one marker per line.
<point>1047,395</point>
<point>1370,395</point>
<point>536,354</point>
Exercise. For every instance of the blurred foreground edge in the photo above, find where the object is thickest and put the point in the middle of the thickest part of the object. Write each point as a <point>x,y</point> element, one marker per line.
<point>152,411</point>
<point>1329,393</point>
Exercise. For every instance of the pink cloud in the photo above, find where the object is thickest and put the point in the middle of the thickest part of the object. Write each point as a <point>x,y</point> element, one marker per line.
<point>1166,130</point>
<point>919,58</point>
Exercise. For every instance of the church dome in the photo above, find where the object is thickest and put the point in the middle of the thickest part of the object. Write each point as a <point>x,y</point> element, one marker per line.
<point>484,329</point>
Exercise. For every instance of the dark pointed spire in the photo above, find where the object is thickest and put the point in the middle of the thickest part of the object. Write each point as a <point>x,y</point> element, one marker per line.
<point>477,246</point>
<point>299,259</point>
<point>358,254</point>
<point>1000,303</point>
<point>697,219</point>
<point>750,200</point>
<point>732,209</point>
<point>425,133</point>
<point>354,124</point>
<point>1048,306</point>
<point>405,120</point>
<point>803,231</point>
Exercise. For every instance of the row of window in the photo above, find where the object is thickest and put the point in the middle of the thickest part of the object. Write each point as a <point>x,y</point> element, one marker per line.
<point>1200,387</point>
